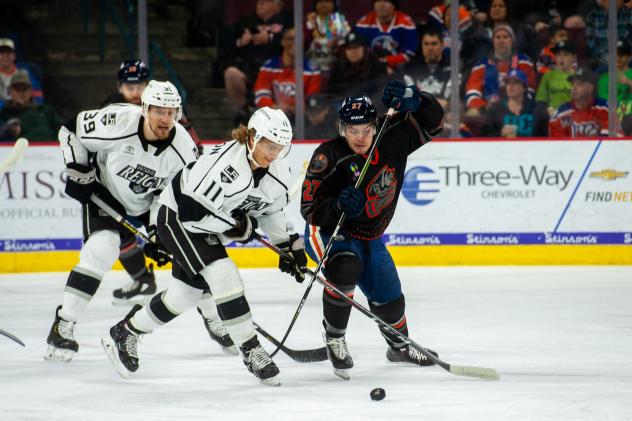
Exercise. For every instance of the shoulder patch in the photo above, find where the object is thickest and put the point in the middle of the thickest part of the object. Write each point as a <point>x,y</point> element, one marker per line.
<point>108,119</point>
<point>318,164</point>
<point>229,174</point>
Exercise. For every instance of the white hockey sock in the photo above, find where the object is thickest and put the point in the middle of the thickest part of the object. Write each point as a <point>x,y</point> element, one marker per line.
<point>207,307</point>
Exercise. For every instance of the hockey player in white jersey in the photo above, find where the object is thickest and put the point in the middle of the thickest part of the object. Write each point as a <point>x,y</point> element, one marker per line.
<point>126,155</point>
<point>223,197</point>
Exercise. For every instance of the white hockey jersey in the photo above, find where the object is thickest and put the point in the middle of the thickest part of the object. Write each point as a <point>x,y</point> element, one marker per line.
<point>205,193</point>
<point>131,168</point>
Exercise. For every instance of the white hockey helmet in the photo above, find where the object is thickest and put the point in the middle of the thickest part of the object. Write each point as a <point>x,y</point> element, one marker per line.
<point>271,124</point>
<point>161,94</point>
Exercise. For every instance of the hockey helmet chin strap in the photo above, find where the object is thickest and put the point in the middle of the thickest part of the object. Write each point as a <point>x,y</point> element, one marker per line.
<point>250,155</point>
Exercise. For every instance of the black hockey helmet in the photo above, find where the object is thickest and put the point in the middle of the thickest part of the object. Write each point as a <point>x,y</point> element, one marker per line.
<point>133,71</point>
<point>357,110</point>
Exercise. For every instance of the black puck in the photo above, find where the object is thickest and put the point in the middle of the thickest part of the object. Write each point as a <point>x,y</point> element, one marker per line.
<point>378,394</point>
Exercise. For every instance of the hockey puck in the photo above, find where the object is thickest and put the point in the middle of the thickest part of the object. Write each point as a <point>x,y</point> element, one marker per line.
<point>378,394</point>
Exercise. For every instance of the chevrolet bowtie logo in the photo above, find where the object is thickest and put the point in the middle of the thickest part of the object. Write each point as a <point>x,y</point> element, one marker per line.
<point>609,175</point>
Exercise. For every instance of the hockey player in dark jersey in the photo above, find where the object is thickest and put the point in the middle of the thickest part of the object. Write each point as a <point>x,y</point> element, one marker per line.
<point>359,256</point>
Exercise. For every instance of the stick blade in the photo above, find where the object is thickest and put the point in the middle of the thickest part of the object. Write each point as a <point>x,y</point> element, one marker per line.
<point>478,372</point>
<point>308,356</point>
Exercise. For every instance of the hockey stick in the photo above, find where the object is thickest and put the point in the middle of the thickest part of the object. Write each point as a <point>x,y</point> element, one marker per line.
<point>459,370</point>
<point>301,356</point>
<point>330,243</point>
<point>16,339</point>
<point>308,355</point>
<point>14,156</point>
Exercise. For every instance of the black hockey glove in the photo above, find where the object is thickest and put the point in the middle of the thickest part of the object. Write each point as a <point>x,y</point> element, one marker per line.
<point>351,201</point>
<point>81,182</point>
<point>401,97</point>
<point>155,250</point>
<point>244,229</point>
<point>295,247</point>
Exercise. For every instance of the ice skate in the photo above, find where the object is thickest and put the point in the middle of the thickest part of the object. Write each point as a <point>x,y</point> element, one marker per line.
<point>121,345</point>
<point>219,334</point>
<point>339,356</point>
<point>61,341</point>
<point>408,354</point>
<point>259,363</point>
<point>138,291</point>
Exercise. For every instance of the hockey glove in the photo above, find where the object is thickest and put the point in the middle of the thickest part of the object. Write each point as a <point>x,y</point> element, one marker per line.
<point>295,247</point>
<point>81,182</point>
<point>401,97</point>
<point>351,201</point>
<point>244,229</point>
<point>155,250</point>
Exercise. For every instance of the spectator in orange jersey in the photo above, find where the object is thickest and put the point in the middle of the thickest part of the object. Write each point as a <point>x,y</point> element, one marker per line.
<point>276,84</point>
<point>486,80</point>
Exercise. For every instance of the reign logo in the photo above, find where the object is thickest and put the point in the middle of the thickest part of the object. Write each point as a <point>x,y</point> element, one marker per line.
<point>141,178</point>
<point>253,203</point>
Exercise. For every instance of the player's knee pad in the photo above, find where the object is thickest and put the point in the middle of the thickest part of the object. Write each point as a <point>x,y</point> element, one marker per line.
<point>223,279</point>
<point>179,297</point>
<point>344,269</point>
<point>99,252</point>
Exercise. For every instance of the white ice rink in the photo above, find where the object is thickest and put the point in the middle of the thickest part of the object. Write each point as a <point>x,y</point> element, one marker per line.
<point>560,337</point>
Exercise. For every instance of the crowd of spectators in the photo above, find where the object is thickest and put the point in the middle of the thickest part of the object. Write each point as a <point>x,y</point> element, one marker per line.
<point>526,70</point>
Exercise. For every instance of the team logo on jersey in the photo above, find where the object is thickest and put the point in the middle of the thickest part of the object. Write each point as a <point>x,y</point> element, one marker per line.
<point>108,119</point>
<point>252,203</point>
<point>584,129</point>
<point>229,174</point>
<point>381,191</point>
<point>129,149</point>
<point>212,240</point>
<point>318,164</point>
<point>141,178</point>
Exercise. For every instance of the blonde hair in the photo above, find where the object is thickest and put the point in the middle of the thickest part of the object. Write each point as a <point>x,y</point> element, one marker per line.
<point>242,134</point>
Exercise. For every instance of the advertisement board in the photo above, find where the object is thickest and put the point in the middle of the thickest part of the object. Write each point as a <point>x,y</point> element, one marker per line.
<point>455,193</point>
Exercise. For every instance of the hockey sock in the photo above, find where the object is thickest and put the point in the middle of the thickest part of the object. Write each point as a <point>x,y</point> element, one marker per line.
<point>165,307</point>
<point>133,259</point>
<point>343,269</point>
<point>235,314</point>
<point>207,306</point>
<point>80,288</point>
<point>394,314</point>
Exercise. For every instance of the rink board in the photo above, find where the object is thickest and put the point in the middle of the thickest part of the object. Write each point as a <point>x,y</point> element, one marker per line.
<point>462,202</point>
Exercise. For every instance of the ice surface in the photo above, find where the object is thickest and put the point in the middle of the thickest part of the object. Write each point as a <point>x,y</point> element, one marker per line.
<point>560,337</point>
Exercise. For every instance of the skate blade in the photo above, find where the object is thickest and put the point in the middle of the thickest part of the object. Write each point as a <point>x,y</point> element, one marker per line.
<point>58,354</point>
<point>230,350</point>
<point>110,349</point>
<point>342,373</point>
<point>142,300</point>
<point>272,381</point>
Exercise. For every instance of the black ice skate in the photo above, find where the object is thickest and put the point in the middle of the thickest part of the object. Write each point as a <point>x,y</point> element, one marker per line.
<point>259,363</point>
<point>61,341</point>
<point>408,354</point>
<point>122,345</point>
<point>218,332</point>
<point>138,291</point>
<point>339,356</point>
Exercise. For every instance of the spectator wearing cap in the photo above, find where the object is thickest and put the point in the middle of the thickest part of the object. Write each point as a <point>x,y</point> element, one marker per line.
<point>132,78</point>
<point>597,31</point>
<point>516,114</point>
<point>389,33</point>
<point>503,12</point>
<point>22,117</point>
<point>624,80</point>
<point>357,70</point>
<point>555,89</point>
<point>430,70</point>
<point>276,84</point>
<point>486,81</point>
<point>584,115</point>
<point>8,68</point>
<point>325,28</point>
<point>321,118</point>
<point>546,59</point>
